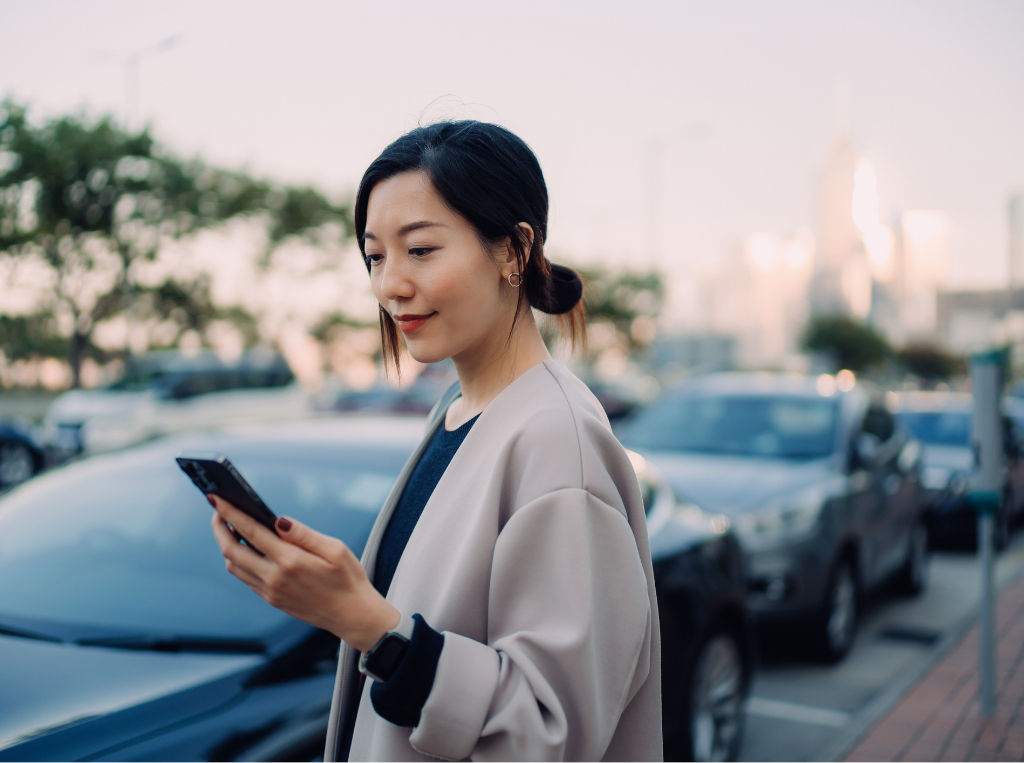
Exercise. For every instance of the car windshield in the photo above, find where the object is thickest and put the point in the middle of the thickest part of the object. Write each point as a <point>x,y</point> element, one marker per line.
<point>764,426</point>
<point>121,545</point>
<point>949,428</point>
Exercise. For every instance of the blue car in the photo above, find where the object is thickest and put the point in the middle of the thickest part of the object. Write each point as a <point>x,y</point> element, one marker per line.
<point>941,421</point>
<point>21,456</point>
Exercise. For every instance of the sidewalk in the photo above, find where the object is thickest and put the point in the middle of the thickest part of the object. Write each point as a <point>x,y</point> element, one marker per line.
<point>939,718</point>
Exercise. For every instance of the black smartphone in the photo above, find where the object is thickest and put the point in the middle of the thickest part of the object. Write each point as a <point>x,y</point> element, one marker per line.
<point>214,473</point>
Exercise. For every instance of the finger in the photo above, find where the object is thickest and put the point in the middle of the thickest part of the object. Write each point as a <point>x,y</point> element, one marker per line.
<point>253,581</point>
<point>253,532</point>
<point>221,533</point>
<point>304,536</point>
<point>239,555</point>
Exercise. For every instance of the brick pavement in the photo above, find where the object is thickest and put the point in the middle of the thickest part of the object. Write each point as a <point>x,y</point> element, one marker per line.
<point>939,718</point>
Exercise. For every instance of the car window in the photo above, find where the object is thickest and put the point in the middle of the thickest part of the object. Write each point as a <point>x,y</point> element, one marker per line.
<point>768,426</point>
<point>124,543</point>
<point>944,428</point>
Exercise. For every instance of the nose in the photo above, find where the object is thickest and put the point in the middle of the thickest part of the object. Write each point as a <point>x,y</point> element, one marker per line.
<point>392,281</point>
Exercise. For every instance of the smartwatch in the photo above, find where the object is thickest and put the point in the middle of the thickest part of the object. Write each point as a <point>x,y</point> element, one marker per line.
<point>380,661</point>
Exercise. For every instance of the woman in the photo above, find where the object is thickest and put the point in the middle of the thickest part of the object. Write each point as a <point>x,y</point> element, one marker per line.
<point>504,607</point>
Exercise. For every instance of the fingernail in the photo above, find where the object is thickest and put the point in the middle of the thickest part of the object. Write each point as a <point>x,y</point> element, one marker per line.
<point>212,502</point>
<point>284,524</point>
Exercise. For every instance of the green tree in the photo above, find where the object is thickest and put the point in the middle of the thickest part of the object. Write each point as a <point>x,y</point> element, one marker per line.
<point>930,362</point>
<point>848,342</point>
<point>85,204</point>
<point>629,301</point>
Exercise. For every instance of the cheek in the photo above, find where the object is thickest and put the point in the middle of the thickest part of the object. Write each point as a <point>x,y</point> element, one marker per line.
<point>457,288</point>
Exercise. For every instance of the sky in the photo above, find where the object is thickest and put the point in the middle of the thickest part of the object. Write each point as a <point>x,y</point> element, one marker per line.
<point>667,131</point>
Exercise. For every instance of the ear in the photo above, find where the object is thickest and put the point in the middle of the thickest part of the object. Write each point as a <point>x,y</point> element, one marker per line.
<point>525,233</point>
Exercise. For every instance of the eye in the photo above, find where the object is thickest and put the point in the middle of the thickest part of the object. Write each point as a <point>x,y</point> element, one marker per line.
<point>420,251</point>
<point>372,259</point>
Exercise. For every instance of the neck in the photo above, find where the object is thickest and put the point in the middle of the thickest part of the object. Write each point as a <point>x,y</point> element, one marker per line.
<point>483,375</point>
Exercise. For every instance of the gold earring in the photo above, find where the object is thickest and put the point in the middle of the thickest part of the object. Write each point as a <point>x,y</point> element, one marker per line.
<point>514,283</point>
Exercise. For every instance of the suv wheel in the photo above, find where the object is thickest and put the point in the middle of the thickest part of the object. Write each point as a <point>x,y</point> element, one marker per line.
<point>16,463</point>
<point>837,623</point>
<point>712,722</point>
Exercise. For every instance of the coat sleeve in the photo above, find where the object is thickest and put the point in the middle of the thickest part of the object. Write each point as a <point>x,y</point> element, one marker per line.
<point>569,641</point>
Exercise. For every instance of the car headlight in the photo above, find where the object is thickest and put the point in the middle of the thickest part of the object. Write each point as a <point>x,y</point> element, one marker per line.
<point>785,521</point>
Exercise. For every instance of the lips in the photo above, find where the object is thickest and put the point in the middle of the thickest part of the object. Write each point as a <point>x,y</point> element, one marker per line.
<point>409,322</point>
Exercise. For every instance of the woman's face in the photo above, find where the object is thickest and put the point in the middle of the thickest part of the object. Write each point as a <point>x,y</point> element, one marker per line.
<point>431,273</point>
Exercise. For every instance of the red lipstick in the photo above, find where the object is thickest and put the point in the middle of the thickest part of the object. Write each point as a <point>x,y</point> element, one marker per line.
<point>409,322</point>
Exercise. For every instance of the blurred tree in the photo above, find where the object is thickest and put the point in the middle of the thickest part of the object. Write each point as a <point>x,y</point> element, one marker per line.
<point>329,326</point>
<point>850,343</point>
<point>85,204</point>
<point>931,363</point>
<point>629,301</point>
<point>30,336</point>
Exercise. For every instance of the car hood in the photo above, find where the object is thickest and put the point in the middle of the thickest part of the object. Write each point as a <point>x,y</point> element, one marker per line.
<point>80,405</point>
<point>947,457</point>
<point>735,485</point>
<point>45,686</point>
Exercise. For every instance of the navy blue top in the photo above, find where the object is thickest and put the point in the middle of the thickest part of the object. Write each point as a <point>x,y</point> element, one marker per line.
<point>424,478</point>
<point>400,699</point>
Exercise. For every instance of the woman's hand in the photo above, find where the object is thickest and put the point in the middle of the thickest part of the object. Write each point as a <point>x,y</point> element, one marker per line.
<point>306,574</point>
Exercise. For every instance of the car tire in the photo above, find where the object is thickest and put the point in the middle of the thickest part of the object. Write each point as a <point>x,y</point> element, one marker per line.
<point>836,625</point>
<point>16,463</point>
<point>912,577</point>
<point>714,686</point>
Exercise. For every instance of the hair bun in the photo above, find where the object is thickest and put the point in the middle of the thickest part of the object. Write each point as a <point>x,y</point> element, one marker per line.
<point>559,292</point>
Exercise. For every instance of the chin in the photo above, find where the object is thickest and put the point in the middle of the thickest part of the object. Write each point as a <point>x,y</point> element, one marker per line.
<point>426,355</point>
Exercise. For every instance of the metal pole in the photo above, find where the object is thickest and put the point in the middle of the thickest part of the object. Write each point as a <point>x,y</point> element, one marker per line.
<point>987,443</point>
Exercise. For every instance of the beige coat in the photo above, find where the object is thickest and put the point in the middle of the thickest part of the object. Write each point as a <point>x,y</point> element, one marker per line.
<point>531,557</point>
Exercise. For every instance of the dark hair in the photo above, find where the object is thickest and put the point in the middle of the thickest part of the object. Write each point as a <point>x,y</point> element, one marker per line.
<point>492,178</point>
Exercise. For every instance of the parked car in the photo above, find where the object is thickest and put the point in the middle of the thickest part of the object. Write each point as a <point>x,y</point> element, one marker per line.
<point>821,484</point>
<point>942,423</point>
<point>170,391</point>
<point>21,455</point>
<point>707,650</point>
<point>124,638</point>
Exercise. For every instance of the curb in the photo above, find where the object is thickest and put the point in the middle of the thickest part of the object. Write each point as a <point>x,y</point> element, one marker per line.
<point>887,699</point>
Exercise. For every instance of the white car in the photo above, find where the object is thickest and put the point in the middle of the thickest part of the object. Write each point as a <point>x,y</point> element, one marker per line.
<point>168,391</point>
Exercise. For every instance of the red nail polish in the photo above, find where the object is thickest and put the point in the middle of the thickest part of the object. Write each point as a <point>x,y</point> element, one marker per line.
<point>284,525</point>
<point>212,502</point>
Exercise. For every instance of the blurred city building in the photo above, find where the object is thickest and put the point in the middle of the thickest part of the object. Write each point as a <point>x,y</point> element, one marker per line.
<point>841,280</point>
<point>759,297</point>
<point>922,265</point>
<point>968,321</point>
<point>892,276</point>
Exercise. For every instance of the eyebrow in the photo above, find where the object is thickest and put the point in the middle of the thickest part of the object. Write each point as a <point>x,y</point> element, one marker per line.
<point>409,228</point>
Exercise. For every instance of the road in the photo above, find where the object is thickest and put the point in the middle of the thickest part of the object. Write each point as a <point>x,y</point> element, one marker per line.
<point>800,710</point>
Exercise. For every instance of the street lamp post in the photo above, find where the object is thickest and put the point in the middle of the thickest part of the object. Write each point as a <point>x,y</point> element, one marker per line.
<point>132,64</point>
<point>987,444</point>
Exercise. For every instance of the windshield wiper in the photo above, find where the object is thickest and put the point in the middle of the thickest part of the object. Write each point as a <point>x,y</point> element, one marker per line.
<point>205,644</point>
<point>8,630</point>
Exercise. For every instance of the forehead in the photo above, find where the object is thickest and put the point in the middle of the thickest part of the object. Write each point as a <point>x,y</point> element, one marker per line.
<point>404,198</point>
